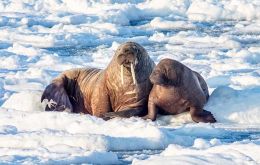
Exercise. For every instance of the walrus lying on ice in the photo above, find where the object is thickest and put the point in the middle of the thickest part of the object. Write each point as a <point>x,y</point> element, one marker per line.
<point>123,85</point>
<point>176,89</point>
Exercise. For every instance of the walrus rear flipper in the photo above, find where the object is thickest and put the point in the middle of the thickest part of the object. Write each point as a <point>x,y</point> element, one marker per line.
<point>57,98</point>
<point>124,113</point>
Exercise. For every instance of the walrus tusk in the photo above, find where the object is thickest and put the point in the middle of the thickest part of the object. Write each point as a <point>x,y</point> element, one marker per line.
<point>133,73</point>
<point>122,74</point>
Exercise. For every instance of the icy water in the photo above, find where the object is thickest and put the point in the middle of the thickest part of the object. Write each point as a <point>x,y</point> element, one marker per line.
<point>202,29</point>
<point>230,136</point>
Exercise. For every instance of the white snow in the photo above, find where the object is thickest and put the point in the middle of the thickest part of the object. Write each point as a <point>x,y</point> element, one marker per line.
<point>223,10</point>
<point>41,38</point>
<point>239,106</point>
<point>204,152</point>
<point>24,101</point>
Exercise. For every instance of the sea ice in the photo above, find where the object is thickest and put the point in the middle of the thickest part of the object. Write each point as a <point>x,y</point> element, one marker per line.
<point>41,38</point>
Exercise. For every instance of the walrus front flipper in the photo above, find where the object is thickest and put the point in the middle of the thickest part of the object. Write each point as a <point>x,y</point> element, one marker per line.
<point>57,98</point>
<point>124,113</point>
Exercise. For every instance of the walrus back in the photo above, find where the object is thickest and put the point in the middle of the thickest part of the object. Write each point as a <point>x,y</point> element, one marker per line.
<point>64,93</point>
<point>82,90</point>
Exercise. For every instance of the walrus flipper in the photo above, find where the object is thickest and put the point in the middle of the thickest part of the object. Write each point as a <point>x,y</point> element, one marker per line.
<point>57,98</point>
<point>124,113</point>
<point>202,116</point>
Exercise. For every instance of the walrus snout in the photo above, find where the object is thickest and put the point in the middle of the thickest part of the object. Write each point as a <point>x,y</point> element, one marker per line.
<point>157,78</point>
<point>127,59</point>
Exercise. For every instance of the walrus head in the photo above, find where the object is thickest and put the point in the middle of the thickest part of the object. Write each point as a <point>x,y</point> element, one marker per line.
<point>167,72</point>
<point>128,56</point>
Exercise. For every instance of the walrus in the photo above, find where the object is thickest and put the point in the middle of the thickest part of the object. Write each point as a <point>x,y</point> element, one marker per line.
<point>123,85</point>
<point>177,89</point>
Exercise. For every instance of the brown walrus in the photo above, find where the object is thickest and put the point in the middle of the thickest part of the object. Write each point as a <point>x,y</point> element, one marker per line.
<point>176,89</point>
<point>123,85</point>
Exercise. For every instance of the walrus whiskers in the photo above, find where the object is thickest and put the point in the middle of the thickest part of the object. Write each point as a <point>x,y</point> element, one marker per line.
<point>122,74</point>
<point>133,73</point>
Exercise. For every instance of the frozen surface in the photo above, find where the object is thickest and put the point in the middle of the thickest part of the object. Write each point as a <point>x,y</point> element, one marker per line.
<point>207,152</point>
<point>219,39</point>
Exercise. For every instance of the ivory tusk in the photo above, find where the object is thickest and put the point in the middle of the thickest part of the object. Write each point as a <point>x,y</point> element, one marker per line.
<point>122,74</point>
<point>133,73</point>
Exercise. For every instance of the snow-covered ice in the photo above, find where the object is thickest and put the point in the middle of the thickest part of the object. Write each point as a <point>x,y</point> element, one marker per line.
<point>41,38</point>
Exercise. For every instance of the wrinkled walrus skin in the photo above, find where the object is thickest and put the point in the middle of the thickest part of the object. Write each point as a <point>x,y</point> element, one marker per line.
<point>123,85</point>
<point>177,89</point>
